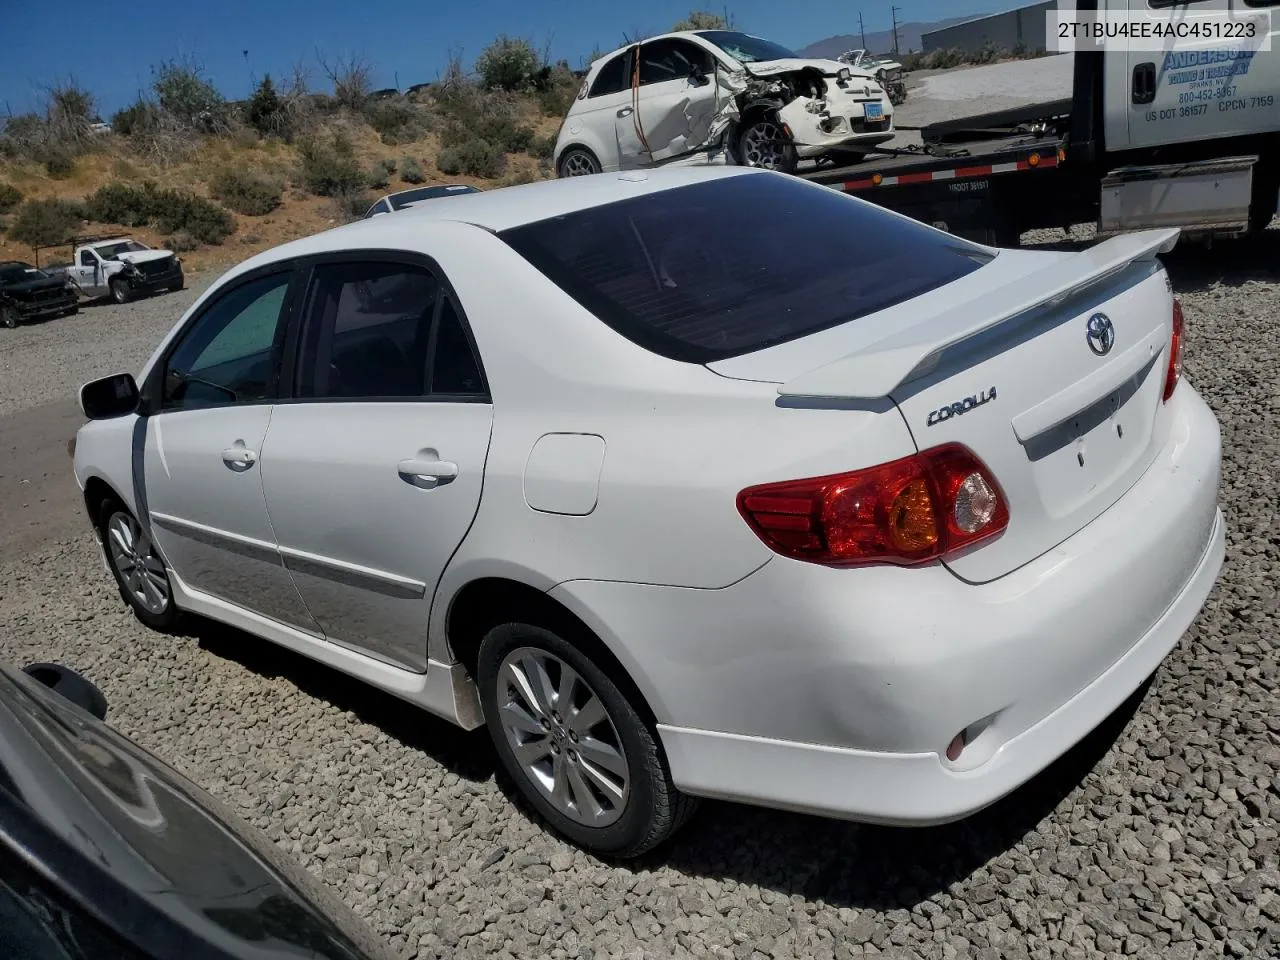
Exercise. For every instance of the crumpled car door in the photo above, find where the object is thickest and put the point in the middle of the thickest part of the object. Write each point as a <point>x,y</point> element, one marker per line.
<point>675,107</point>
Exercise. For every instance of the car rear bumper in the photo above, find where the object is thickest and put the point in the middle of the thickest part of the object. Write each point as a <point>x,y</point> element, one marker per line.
<point>837,692</point>
<point>921,789</point>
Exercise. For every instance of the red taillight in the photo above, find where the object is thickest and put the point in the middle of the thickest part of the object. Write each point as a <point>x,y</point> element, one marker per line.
<point>913,510</point>
<point>1174,373</point>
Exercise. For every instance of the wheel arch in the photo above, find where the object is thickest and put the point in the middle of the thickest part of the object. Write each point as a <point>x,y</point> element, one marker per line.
<point>96,490</point>
<point>485,603</point>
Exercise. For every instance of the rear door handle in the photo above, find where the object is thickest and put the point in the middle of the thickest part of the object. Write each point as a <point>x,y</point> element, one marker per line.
<point>625,112</point>
<point>239,458</point>
<point>427,473</point>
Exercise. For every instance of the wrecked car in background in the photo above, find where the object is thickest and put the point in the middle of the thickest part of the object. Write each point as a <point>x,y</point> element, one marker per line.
<point>28,294</point>
<point>890,73</point>
<point>718,97</point>
<point>117,266</point>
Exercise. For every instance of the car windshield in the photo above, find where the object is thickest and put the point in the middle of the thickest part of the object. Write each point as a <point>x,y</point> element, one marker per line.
<point>736,264</point>
<point>402,200</point>
<point>17,272</point>
<point>111,251</point>
<point>747,49</point>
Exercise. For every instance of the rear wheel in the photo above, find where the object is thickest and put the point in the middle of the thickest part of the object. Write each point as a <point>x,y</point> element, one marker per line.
<point>575,744</point>
<point>764,143</point>
<point>8,319</point>
<point>136,564</point>
<point>578,162</point>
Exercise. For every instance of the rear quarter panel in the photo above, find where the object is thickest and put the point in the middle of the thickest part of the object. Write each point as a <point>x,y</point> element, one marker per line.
<point>680,443</point>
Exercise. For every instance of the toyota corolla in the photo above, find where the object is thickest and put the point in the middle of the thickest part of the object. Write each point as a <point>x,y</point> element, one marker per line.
<point>687,483</point>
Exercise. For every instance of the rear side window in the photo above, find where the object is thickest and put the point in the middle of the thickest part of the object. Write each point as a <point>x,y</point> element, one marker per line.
<point>730,266</point>
<point>367,331</point>
<point>614,76</point>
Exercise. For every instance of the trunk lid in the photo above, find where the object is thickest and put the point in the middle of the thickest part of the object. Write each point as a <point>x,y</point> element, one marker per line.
<point>1066,415</point>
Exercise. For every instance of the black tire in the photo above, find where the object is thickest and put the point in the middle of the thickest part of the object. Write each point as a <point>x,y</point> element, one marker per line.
<point>8,319</point>
<point>177,286</point>
<point>120,291</point>
<point>762,143</point>
<point>164,620</point>
<point>577,162</point>
<point>654,808</point>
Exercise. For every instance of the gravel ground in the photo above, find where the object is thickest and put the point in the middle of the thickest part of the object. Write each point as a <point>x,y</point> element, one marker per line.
<point>1157,837</point>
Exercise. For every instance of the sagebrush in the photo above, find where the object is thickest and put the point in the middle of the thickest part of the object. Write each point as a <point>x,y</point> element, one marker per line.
<point>246,192</point>
<point>46,221</point>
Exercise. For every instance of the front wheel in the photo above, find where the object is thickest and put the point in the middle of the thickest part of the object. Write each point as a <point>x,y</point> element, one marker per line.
<point>578,162</point>
<point>575,744</point>
<point>120,291</point>
<point>764,143</point>
<point>137,566</point>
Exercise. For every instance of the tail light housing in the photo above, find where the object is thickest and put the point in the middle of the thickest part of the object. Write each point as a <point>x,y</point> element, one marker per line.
<point>910,511</point>
<point>1174,373</point>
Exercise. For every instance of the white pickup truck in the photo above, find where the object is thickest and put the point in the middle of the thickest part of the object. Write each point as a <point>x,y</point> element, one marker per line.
<point>119,267</point>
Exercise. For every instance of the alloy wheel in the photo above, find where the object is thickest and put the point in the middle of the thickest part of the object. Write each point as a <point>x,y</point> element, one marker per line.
<point>562,737</point>
<point>763,145</point>
<point>577,164</point>
<point>134,557</point>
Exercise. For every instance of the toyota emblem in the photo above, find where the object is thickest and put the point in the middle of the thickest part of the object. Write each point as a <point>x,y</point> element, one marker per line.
<point>1101,334</point>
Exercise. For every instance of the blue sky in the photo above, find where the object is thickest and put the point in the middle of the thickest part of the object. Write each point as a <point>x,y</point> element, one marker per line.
<point>110,50</point>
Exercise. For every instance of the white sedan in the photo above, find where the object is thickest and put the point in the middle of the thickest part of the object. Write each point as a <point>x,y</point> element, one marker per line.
<point>687,483</point>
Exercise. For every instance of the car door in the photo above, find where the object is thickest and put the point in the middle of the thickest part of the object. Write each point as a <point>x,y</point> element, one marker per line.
<point>592,119</point>
<point>89,274</point>
<point>202,485</point>
<point>677,101</point>
<point>1200,88</point>
<point>373,466</point>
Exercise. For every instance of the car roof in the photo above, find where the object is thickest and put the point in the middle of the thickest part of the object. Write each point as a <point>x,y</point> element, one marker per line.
<point>496,210</point>
<point>684,34</point>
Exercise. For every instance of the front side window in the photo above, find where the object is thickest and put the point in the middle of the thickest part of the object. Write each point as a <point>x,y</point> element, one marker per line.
<point>736,264</point>
<point>229,353</point>
<point>672,59</point>
<point>367,331</point>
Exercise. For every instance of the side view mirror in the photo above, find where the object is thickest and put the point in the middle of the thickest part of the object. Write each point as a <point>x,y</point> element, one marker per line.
<point>113,396</point>
<point>70,685</point>
<point>697,77</point>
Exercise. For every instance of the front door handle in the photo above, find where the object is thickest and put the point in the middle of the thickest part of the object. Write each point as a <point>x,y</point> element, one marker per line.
<point>427,473</point>
<point>625,112</point>
<point>239,458</point>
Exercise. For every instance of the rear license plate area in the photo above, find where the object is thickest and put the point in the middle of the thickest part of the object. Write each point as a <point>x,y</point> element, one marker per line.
<point>1083,457</point>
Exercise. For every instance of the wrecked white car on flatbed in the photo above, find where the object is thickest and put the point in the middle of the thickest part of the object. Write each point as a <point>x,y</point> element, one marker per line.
<point>718,97</point>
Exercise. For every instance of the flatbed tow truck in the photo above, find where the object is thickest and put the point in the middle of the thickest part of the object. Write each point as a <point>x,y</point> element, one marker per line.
<point>1187,138</point>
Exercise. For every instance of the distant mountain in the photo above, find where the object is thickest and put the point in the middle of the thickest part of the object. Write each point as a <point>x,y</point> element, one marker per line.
<point>880,41</point>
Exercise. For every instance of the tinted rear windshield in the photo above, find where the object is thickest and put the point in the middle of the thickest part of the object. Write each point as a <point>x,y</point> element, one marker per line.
<point>730,266</point>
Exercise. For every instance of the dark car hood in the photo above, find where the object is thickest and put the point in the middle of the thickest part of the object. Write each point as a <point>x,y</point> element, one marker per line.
<point>163,837</point>
<point>32,286</point>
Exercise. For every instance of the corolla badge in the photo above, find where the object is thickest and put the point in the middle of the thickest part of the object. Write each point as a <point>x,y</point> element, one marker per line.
<point>1101,334</point>
<point>960,407</point>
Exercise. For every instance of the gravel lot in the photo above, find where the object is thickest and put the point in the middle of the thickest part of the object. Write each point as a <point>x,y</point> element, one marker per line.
<point>1156,838</point>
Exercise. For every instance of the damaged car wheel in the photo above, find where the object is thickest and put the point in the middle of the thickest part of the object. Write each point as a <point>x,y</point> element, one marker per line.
<point>764,143</point>
<point>578,162</point>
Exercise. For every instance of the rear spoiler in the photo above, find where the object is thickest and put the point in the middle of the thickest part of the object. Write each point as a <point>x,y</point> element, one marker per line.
<point>881,367</point>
